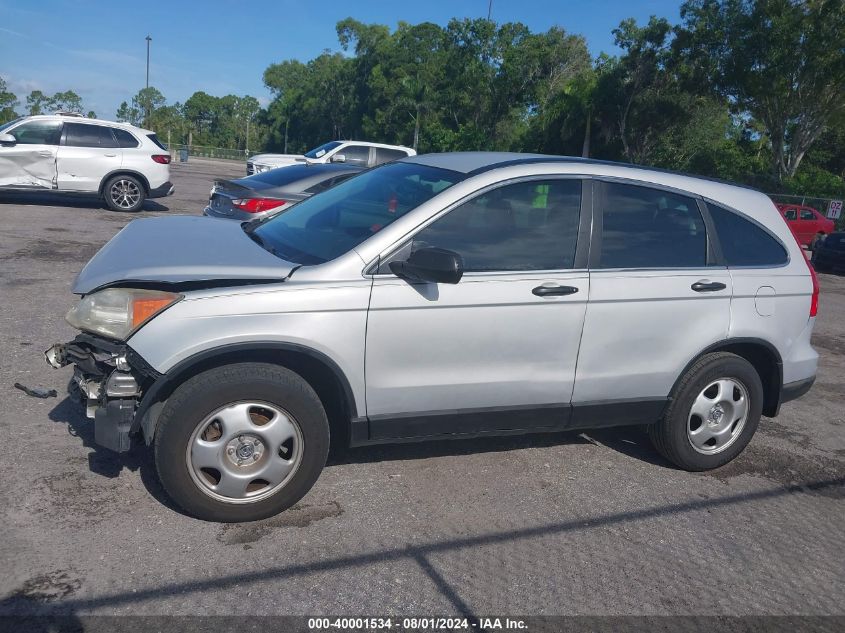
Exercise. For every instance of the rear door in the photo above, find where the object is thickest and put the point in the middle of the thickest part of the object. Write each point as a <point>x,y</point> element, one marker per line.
<point>657,299</point>
<point>87,153</point>
<point>496,351</point>
<point>31,161</point>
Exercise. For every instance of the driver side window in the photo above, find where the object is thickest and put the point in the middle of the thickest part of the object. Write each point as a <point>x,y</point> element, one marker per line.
<point>38,133</point>
<point>531,225</point>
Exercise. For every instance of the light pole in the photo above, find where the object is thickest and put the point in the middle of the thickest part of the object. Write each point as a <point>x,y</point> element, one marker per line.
<point>149,39</point>
<point>489,9</point>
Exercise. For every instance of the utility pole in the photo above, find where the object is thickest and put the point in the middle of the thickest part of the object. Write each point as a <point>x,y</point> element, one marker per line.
<point>489,9</point>
<point>149,39</point>
<point>147,104</point>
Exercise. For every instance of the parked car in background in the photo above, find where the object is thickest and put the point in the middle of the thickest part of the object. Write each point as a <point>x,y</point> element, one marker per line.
<point>360,153</point>
<point>67,153</point>
<point>272,191</point>
<point>443,295</point>
<point>807,224</point>
<point>829,254</point>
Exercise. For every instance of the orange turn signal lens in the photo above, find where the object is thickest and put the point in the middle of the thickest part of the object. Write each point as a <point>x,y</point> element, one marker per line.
<point>146,307</point>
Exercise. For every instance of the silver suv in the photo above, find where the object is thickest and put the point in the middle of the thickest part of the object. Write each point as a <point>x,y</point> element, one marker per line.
<point>67,153</point>
<point>450,295</point>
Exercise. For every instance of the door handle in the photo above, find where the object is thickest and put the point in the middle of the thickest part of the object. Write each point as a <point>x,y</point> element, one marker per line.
<point>708,286</point>
<point>109,155</point>
<point>45,154</point>
<point>548,291</point>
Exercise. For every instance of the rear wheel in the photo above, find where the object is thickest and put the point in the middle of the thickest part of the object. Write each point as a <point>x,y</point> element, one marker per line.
<point>714,413</point>
<point>124,193</point>
<point>241,442</point>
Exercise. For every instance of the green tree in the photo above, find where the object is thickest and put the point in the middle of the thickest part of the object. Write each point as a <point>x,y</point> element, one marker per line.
<point>38,103</point>
<point>8,101</point>
<point>781,62</point>
<point>67,101</point>
<point>146,102</point>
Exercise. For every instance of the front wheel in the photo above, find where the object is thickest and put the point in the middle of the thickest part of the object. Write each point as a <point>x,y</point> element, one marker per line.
<point>714,412</point>
<point>241,442</point>
<point>124,193</point>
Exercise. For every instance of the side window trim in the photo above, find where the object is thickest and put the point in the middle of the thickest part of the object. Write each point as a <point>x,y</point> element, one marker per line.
<point>713,252</point>
<point>582,246</point>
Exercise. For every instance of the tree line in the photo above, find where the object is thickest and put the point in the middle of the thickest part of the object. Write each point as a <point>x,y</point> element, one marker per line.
<point>747,90</point>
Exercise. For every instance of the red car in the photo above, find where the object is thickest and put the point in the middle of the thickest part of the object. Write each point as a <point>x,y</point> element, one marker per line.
<point>806,223</point>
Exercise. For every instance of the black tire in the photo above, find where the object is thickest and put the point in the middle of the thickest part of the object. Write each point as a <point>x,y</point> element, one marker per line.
<point>124,193</point>
<point>670,435</point>
<point>200,396</point>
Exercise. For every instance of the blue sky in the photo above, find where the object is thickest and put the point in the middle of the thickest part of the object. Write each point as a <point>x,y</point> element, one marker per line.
<point>97,48</point>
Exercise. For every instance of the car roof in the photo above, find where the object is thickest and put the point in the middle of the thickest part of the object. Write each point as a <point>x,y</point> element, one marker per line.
<point>72,118</point>
<point>472,163</point>
<point>371,144</point>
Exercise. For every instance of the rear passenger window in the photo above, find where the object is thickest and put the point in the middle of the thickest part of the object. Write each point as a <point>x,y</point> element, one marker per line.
<point>650,228</point>
<point>81,135</point>
<point>356,154</point>
<point>743,242</point>
<point>384,155</point>
<point>525,226</point>
<point>807,214</point>
<point>124,138</point>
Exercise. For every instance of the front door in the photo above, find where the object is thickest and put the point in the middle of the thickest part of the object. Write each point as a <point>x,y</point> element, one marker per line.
<point>496,351</point>
<point>31,160</point>
<point>87,153</point>
<point>656,301</point>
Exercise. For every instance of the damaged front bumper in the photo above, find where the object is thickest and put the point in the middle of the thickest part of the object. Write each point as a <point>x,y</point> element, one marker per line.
<point>108,380</point>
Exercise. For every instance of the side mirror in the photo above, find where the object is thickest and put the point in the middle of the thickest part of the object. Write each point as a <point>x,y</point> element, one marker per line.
<point>7,139</point>
<point>437,265</point>
<point>338,158</point>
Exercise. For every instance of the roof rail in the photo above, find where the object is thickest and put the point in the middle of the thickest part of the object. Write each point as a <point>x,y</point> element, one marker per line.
<point>65,113</point>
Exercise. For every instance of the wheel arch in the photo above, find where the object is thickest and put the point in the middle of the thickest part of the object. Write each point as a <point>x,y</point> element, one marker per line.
<point>316,368</point>
<point>124,172</point>
<point>762,355</point>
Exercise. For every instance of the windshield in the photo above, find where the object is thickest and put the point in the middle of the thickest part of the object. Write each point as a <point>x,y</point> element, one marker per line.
<point>319,152</point>
<point>6,126</point>
<point>331,223</point>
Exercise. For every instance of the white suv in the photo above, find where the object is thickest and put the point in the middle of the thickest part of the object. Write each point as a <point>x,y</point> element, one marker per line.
<point>71,154</point>
<point>360,153</point>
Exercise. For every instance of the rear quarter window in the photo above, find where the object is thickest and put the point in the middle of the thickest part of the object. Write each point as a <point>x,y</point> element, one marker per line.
<point>155,140</point>
<point>745,243</point>
<point>124,138</point>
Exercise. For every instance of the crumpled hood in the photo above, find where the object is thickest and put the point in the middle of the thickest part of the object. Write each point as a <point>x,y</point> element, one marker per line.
<point>180,249</point>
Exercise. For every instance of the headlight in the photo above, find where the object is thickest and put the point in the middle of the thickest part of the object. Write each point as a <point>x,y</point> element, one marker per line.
<point>118,312</point>
<point>261,168</point>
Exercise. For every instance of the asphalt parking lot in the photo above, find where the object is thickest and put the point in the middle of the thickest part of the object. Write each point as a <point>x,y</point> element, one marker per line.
<point>581,523</point>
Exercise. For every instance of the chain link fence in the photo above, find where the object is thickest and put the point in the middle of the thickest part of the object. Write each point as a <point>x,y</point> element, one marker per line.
<point>177,151</point>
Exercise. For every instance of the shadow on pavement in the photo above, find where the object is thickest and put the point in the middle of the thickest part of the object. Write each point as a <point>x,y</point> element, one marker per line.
<point>80,201</point>
<point>19,604</point>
